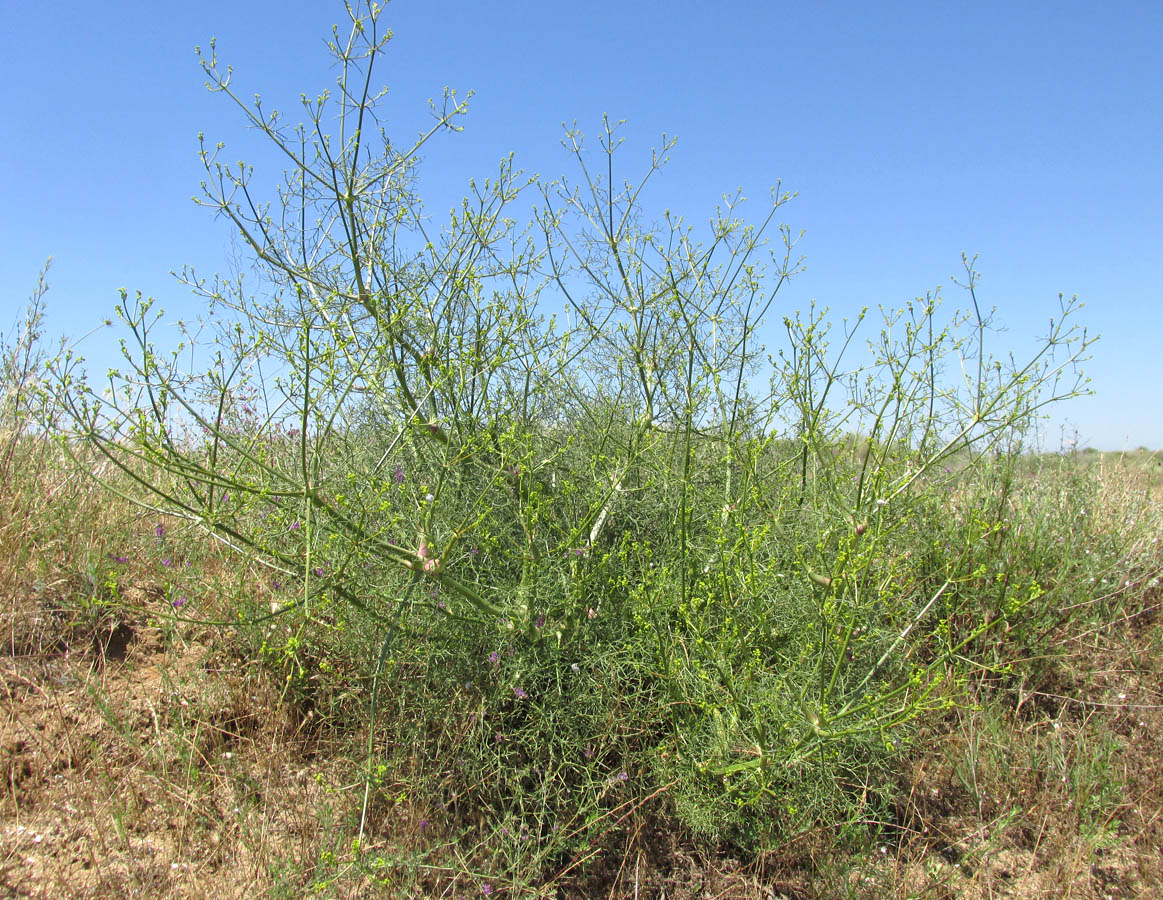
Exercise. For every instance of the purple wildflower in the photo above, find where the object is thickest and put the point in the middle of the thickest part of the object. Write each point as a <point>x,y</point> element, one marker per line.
<point>494,657</point>
<point>520,693</point>
<point>179,602</point>
<point>295,526</point>
<point>486,888</point>
<point>398,475</point>
<point>498,737</point>
<point>119,559</point>
<point>167,562</point>
<point>160,532</point>
<point>539,623</point>
<point>317,571</point>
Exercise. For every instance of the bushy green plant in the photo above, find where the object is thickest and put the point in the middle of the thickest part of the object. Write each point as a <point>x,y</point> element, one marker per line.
<point>627,554</point>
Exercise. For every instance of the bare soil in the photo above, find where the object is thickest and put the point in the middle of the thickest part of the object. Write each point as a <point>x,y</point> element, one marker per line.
<point>134,766</point>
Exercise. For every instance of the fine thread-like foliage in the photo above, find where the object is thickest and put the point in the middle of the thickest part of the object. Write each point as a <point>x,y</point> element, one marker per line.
<point>640,558</point>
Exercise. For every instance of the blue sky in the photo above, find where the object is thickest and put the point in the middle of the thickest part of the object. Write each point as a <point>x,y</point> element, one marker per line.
<point>1028,133</point>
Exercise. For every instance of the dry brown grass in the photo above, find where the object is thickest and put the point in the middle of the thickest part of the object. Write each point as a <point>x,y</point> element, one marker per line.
<point>137,759</point>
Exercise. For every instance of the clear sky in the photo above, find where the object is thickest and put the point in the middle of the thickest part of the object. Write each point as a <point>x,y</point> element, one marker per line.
<point>1029,133</point>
